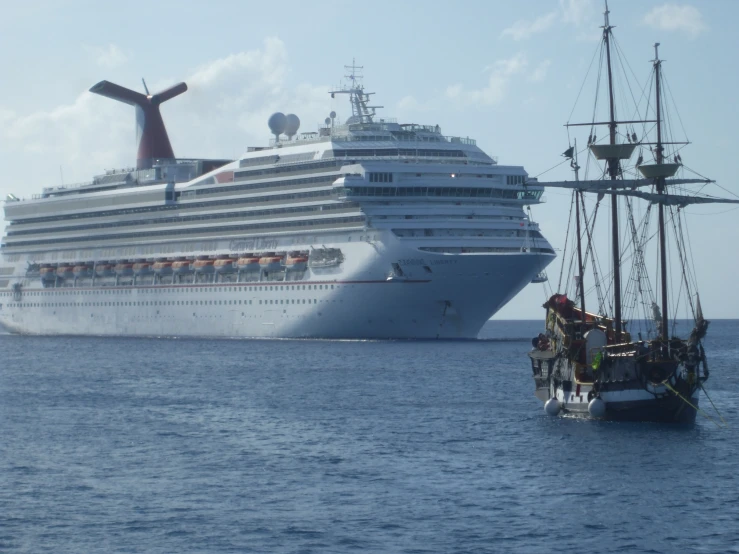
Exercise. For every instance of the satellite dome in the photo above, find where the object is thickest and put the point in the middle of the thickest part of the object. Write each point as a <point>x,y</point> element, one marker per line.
<point>332,115</point>
<point>327,120</point>
<point>292,124</point>
<point>277,123</point>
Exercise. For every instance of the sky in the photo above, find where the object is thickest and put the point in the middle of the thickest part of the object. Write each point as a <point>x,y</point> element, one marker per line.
<point>505,73</point>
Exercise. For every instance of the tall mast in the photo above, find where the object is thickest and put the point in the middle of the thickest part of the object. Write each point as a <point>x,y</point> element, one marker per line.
<point>613,172</point>
<point>661,190</point>
<point>578,198</point>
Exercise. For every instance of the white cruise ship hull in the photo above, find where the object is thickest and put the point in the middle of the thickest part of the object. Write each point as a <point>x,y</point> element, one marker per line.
<point>438,296</point>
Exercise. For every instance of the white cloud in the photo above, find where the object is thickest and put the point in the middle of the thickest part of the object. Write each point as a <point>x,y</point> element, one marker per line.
<point>540,73</point>
<point>454,91</point>
<point>569,12</point>
<point>501,74</point>
<point>576,12</point>
<point>671,17</point>
<point>83,137</point>
<point>109,57</point>
<point>523,29</point>
<point>225,110</point>
<point>230,100</point>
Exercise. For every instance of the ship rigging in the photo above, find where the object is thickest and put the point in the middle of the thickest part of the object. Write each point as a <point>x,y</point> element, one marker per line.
<point>598,362</point>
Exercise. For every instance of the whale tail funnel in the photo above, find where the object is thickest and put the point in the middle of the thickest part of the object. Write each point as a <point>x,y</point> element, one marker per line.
<point>151,134</point>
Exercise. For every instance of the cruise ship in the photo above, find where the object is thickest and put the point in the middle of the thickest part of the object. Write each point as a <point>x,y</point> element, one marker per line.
<point>367,228</point>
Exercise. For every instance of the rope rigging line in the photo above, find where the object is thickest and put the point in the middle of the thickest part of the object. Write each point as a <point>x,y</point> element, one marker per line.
<point>674,104</point>
<point>624,64</point>
<point>677,229</point>
<point>639,285</point>
<point>714,405</point>
<point>696,408</point>
<point>590,252</point>
<point>540,262</point>
<point>592,60</point>
<point>564,254</point>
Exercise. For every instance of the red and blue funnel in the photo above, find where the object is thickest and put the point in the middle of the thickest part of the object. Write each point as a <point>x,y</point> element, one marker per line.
<point>150,131</point>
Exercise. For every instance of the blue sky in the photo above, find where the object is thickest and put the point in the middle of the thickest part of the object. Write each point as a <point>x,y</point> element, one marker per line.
<point>505,73</point>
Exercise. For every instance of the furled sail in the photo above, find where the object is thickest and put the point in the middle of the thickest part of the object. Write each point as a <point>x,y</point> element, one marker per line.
<point>602,186</point>
<point>672,199</point>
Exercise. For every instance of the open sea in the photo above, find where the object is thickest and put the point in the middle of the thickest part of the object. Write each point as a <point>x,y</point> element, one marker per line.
<point>300,446</point>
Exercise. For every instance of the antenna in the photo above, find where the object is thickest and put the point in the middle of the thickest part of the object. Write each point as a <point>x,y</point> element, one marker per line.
<point>150,130</point>
<point>361,111</point>
<point>353,75</point>
<point>145,87</point>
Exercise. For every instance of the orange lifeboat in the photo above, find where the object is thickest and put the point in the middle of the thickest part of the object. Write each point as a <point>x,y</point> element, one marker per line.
<point>248,263</point>
<point>48,273</point>
<point>203,266</point>
<point>162,268</point>
<point>296,263</point>
<point>142,268</point>
<point>104,270</point>
<point>123,269</point>
<point>270,263</point>
<point>82,271</point>
<point>225,265</point>
<point>181,267</point>
<point>65,271</point>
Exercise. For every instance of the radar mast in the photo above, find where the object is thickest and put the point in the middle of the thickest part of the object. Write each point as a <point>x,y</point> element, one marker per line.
<point>362,112</point>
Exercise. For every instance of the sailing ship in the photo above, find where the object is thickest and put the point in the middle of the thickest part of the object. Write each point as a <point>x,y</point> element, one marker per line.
<point>604,362</point>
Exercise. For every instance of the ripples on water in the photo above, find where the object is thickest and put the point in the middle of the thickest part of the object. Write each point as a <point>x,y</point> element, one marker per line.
<point>133,445</point>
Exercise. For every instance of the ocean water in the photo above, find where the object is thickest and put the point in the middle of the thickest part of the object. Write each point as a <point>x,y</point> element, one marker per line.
<point>146,445</point>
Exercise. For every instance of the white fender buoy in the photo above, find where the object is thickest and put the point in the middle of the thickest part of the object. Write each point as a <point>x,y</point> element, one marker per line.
<point>551,407</point>
<point>597,408</point>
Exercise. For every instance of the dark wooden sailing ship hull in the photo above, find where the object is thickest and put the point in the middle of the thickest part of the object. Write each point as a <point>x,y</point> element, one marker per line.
<point>632,388</point>
<point>658,410</point>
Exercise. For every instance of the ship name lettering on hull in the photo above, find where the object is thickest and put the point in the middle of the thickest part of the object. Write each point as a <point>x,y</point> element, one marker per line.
<point>252,244</point>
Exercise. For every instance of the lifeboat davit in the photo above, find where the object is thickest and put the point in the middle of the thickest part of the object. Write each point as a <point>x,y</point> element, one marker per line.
<point>181,267</point>
<point>123,270</point>
<point>48,273</point>
<point>162,268</point>
<point>82,271</point>
<point>225,265</point>
<point>271,263</point>
<point>104,270</point>
<point>203,266</point>
<point>142,268</point>
<point>65,271</point>
<point>248,263</point>
<point>296,263</point>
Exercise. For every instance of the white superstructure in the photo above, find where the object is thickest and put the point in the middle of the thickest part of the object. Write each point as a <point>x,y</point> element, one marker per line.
<point>370,229</point>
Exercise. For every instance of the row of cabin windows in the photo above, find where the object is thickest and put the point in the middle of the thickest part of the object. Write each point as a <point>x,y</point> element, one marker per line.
<point>253,173</point>
<point>297,210</point>
<point>380,177</point>
<point>455,192</point>
<point>395,152</point>
<point>257,227</point>
<point>482,249</point>
<point>326,180</point>
<point>515,179</point>
<point>160,303</point>
<point>233,188</point>
<point>175,290</point>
